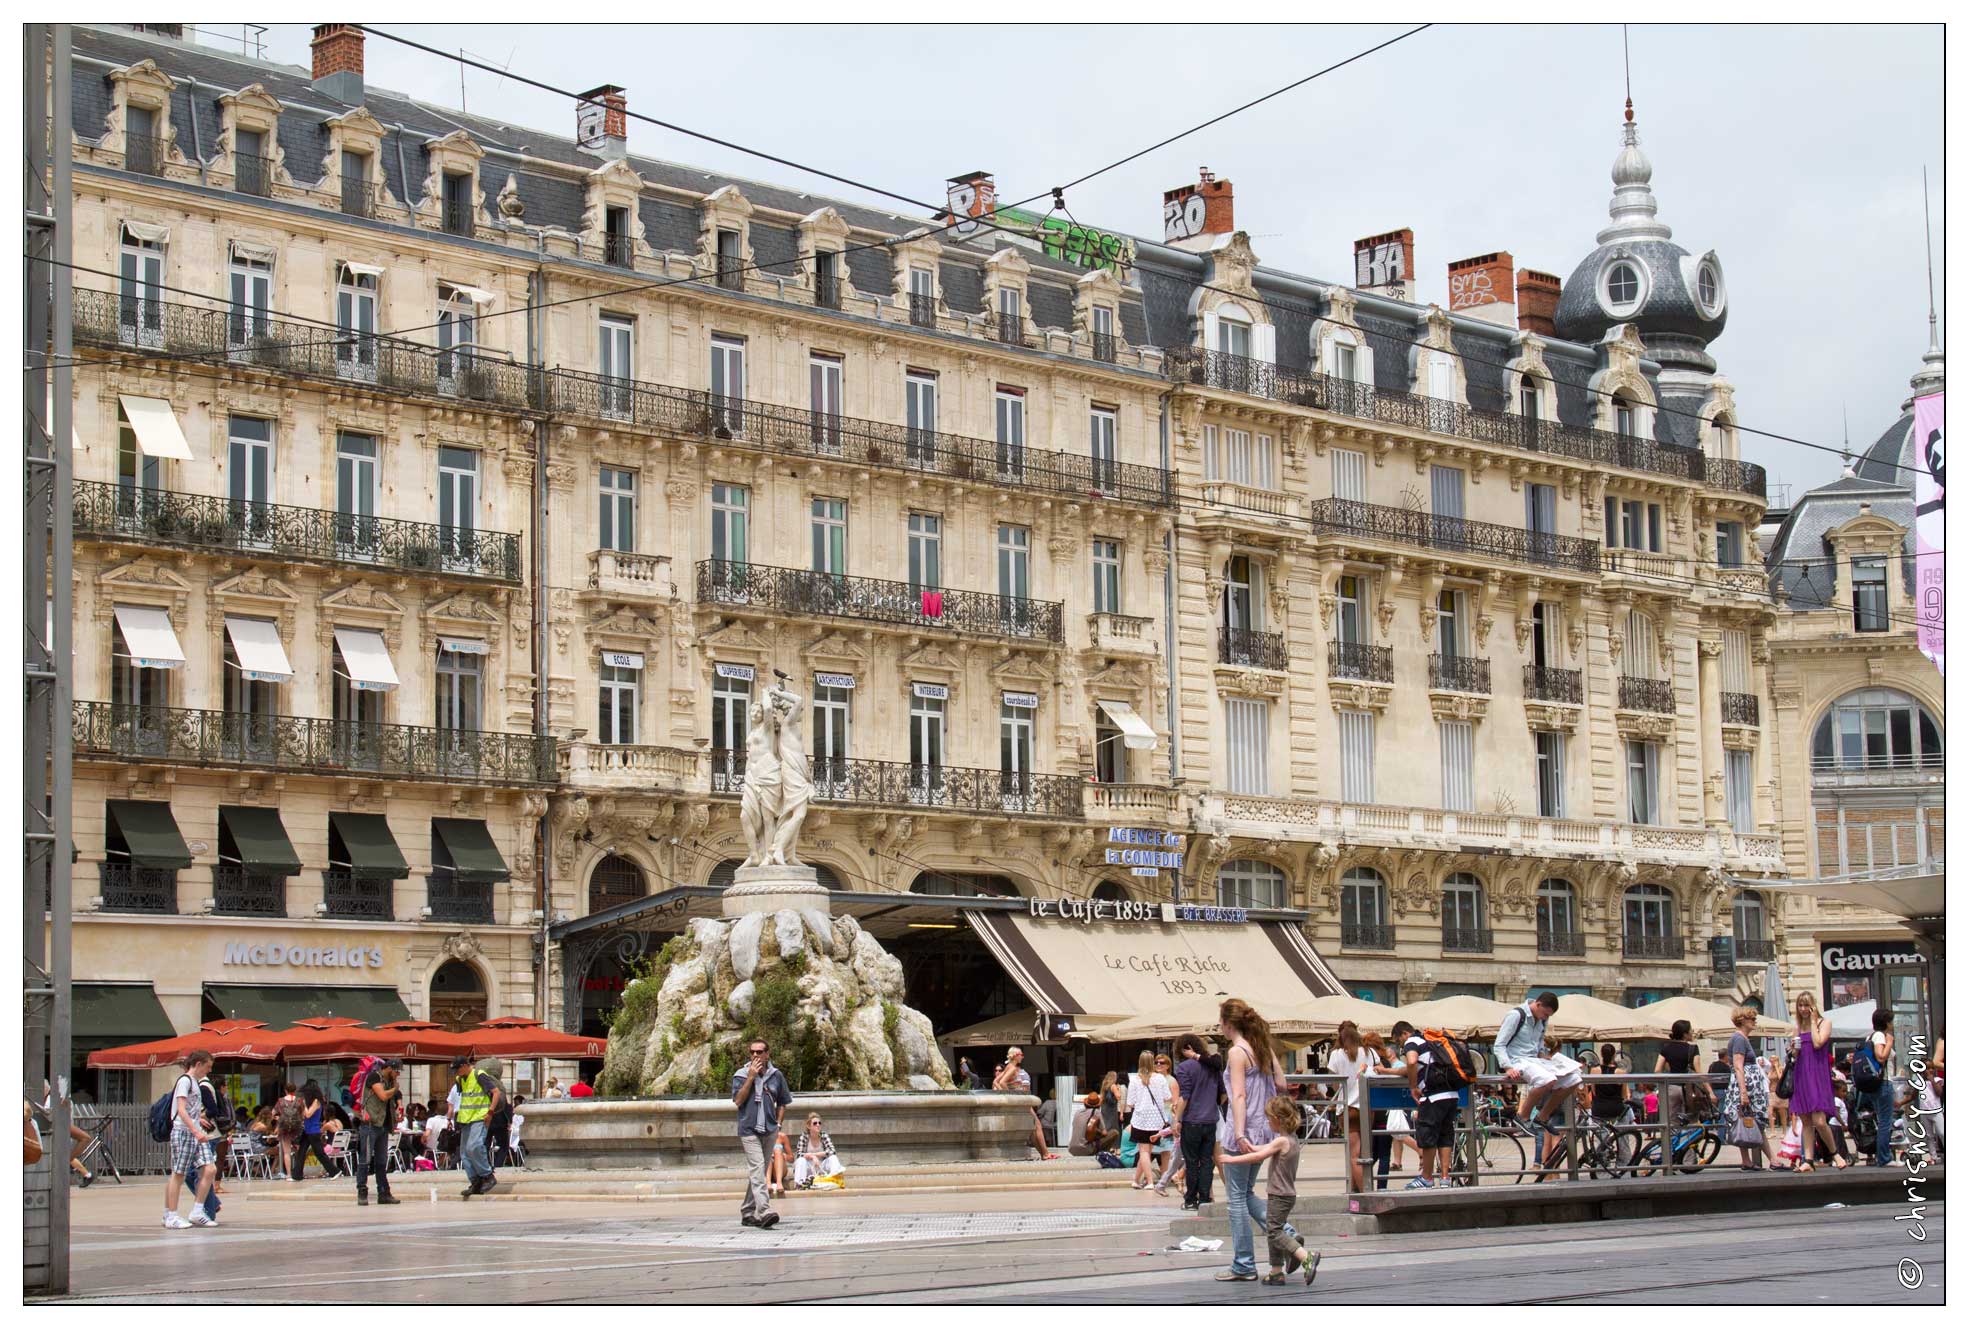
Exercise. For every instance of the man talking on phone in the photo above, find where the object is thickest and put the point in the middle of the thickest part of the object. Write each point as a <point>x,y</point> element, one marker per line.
<point>759,1090</point>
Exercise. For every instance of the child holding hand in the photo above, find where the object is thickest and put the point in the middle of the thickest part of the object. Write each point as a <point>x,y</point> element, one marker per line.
<point>1281,1191</point>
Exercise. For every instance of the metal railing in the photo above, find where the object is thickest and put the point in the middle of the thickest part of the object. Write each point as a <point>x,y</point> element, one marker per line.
<point>922,310</point>
<point>129,889</point>
<point>1467,941</point>
<point>252,894</point>
<point>453,901</point>
<point>1755,948</point>
<point>1236,373</point>
<point>1647,694</point>
<point>347,895</point>
<point>1009,329</point>
<point>309,744</point>
<point>872,600</point>
<point>1357,659</point>
<point>1104,347</point>
<point>362,199</point>
<point>1740,708</point>
<point>257,340</point>
<point>252,174</point>
<point>1544,683</point>
<point>790,430</point>
<point>1367,937</point>
<point>899,784</point>
<point>618,250</point>
<point>455,217</point>
<point>1251,648</point>
<point>162,517</point>
<point>1561,943</point>
<point>1650,948</point>
<point>146,153</point>
<point>1896,761</point>
<point>1457,535</point>
<point>827,292</point>
<point>1459,673</point>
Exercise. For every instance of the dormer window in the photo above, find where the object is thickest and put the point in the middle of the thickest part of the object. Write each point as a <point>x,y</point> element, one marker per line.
<point>923,297</point>
<point>1104,334</point>
<point>358,199</point>
<point>1870,595</point>
<point>1706,286</point>
<point>617,247</point>
<point>1623,417</point>
<point>252,169</point>
<point>457,218</point>
<point>731,261</point>
<point>1011,324</point>
<point>1622,287</point>
<point>1528,399</point>
<point>827,279</point>
<point>143,146</point>
<point>1234,336</point>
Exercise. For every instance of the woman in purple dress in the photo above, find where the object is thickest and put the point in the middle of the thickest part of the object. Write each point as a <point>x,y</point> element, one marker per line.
<point>1811,1082</point>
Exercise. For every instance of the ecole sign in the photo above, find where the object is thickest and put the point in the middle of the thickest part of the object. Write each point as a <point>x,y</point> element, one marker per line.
<point>276,954</point>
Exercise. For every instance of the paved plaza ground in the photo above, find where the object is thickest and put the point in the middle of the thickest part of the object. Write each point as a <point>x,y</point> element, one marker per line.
<point>1033,1247</point>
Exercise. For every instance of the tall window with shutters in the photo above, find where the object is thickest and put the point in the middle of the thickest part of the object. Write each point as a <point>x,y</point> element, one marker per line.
<point>1349,475</point>
<point>1550,745</point>
<point>1247,734</point>
<point>1458,740</point>
<point>1643,782</point>
<point>1737,791</point>
<point>618,509</point>
<point>1356,756</point>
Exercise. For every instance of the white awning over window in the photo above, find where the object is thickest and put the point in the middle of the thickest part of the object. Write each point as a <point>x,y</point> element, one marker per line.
<point>256,645</point>
<point>156,426</point>
<point>367,658</point>
<point>1135,731</point>
<point>150,231</point>
<point>148,635</point>
<point>361,269</point>
<point>463,646</point>
<point>478,295</point>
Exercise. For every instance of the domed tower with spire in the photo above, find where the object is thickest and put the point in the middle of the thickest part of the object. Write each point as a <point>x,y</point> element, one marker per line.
<point>1638,276</point>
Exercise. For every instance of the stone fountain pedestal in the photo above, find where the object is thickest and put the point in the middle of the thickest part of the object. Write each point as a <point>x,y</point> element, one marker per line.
<point>772,887</point>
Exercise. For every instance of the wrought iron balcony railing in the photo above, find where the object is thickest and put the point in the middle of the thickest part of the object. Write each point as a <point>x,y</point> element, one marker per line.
<point>168,734</point>
<point>346,895</point>
<point>1367,937</point>
<point>901,784</point>
<point>827,292</point>
<point>1357,659</point>
<point>1740,708</point>
<point>922,310</point>
<point>1454,534</point>
<point>1647,694</point>
<point>162,517</point>
<point>1544,683</point>
<point>1007,328</point>
<point>453,901</point>
<point>146,153</point>
<point>1251,648</point>
<point>789,430</point>
<point>456,217</point>
<point>129,889</point>
<point>1459,673</point>
<point>871,600</point>
<point>362,199</point>
<point>1236,373</point>
<point>1467,941</point>
<point>1650,948</point>
<point>255,339</point>
<point>618,250</point>
<point>1756,948</point>
<point>252,174</point>
<point>237,891</point>
<point>1104,347</point>
<point>1561,943</point>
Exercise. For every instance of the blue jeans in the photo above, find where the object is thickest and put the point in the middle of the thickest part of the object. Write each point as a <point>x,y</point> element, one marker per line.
<point>472,1150</point>
<point>211,1205</point>
<point>1246,1209</point>
<point>1883,1123</point>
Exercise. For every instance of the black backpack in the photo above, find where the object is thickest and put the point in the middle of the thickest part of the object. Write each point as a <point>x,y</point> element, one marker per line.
<point>1451,1066</point>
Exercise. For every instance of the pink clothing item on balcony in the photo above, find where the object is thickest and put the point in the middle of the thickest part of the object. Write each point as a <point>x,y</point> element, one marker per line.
<point>933,604</point>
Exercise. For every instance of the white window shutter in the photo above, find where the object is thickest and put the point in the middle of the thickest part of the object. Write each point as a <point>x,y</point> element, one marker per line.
<point>1264,343</point>
<point>1210,331</point>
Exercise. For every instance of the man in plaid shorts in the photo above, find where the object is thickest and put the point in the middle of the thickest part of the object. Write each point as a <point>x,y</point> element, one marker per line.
<point>191,1144</point>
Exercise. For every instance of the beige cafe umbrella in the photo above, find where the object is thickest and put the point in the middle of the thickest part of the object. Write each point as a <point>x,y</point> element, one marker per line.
<point>1324,1015</point>
<point>1461,1014</point>
<point>1582,1017</point>
<point>1707,1019</point>
<point>1198,1015</point>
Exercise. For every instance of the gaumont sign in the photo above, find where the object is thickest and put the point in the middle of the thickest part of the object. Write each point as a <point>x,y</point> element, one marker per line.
<point>274,954</point>
<point>1863,957</point>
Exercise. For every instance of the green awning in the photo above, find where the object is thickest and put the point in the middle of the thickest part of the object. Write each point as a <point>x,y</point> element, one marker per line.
<point>261,841</point>
<point>473,854</point>
<point>150,833</point>
<point>372,851</point>
<point>107,1015</point>
<point>281,1004</point>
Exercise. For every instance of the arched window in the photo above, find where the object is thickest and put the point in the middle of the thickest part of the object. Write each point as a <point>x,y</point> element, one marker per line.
<point>1466,926</point>
<point>458,998</point>
<point>1111,890</point>
<point>1558,918</point>
<point>1647,923</point>
<point>615,880</point>
<point>963,883</point>
<point>1877,729</point>
<point>1364,919</point>
<point>1531,398</point>
<point>1233,331</point>
<point>721,876</point>
<point>1247,883</point>
<point>1625,418</point>
<point>1750,925</point>
<point>1622,286</point>
<point>828,877</point>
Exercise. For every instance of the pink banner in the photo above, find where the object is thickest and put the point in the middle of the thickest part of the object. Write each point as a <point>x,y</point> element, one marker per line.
<point>1928,597</point>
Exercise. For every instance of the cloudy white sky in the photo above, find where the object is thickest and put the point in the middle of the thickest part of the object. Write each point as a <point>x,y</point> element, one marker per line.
<point>1795,152</point>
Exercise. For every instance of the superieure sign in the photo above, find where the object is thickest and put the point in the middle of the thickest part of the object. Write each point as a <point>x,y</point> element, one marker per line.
<point>269,954</point>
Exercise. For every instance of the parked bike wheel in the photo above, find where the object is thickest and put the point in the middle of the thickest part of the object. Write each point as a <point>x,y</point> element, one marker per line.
<point>1699,1153</point>
<point>1501,1156</point>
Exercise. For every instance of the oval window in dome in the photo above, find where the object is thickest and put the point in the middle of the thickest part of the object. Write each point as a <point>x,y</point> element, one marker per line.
<point>1709,288</point>
<point>1623,286</point>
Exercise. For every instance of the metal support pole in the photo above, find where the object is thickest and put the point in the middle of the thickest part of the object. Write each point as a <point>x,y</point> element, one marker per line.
<point>47,594</point>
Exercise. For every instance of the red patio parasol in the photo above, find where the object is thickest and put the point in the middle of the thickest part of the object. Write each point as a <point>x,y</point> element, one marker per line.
<point>513,1036</point>
<point>338,1038</point>
<point>227,1040</point>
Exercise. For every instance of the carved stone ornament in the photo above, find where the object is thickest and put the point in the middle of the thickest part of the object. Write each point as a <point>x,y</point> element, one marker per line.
<point>461,946</point>
<point>1354,695</point>
<point>1549,715</point>
<point>1649,726</point>
<point>1250,682</point>
<point>1458,705</point>
<point>1385,611</point>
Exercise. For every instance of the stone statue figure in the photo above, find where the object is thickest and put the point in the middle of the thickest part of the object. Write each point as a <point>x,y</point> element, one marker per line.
<point>778,785</point>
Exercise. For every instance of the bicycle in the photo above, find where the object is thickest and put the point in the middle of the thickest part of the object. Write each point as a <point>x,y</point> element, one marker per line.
<point>1692,1147</point>
<point>96,1155</point>
<point>1505,1138</point>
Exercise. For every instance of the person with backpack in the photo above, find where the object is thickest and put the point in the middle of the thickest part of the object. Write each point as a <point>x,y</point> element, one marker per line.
<point>1433,1083</point>
<point>1873,1084</point>
<point>181,1115</point>
<point>377,1108</point>
<point>1519,1051</point>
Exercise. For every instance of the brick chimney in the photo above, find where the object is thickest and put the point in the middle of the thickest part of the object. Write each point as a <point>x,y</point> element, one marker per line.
<point>338,61</point>
<point>1385,264</point>
<point>1194,216</point>
<point>1538,301</point>
<point>601,121</point>
<point>1484,287</point>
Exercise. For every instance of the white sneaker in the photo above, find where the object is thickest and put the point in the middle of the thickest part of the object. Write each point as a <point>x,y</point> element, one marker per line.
<point>1419,1184</point>
<point>199,1219</point>
<point>173,1218</point>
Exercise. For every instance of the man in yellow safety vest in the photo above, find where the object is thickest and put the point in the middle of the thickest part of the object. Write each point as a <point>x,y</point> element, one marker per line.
<point>478,1094</point>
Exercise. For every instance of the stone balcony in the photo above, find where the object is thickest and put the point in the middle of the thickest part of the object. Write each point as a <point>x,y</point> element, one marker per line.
<point>618,575</point>
<point>1241,509</point>
<point>1121,634</point>
<point>1133,804</point>
<point>631,766</point>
